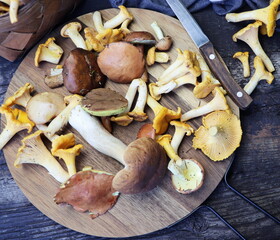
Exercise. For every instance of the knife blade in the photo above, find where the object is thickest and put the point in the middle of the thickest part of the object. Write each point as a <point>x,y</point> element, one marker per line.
<point>211,56</point>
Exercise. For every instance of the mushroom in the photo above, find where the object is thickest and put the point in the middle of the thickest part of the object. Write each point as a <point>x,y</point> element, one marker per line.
<point>62,118</point>
<point>187,174</point>
<point>121,62</point>
<point>260,74</point>
<point>153,56</point>
<point>266,15</point>
<point>55,78</point>
<point>147,130</point>
<point>49,52</point>
<point>124,25</point>
<point>208,81</point>
<point>81,72</point>
<point>16,121</point>
<point>144,159</point>
<point>162,116</point>
<point>156,90</point>
<point>72,30</point>
<point>104,102</point>
<point>89,190</point>
<point>164,42</point>
<point>138,114</point>
<point>249,35</point>
<point>13,9</point>
<point>91,41</point>
<point>64,147</point>
<point>140,37</point>
<point>34,151</point>
<point>219,102</point>
<point>186,62</point>
<point>181,129</point>
<point>243,57</point>
<point>117,20</point>
<point>45,106</point>
<point>219,136</point>
<point>21,96</point>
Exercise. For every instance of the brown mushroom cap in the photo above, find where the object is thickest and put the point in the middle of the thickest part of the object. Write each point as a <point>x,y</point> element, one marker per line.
<point>81,72</point>
<point>121,62</point>
<point>145,166</point>
<point>140,37</point>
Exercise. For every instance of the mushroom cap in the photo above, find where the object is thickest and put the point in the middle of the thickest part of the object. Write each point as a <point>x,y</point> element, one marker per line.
<point>194,176</point>
<point>164,44</point>
<point>89,190</point>
<point>77,25</point>
<point>140,37</point>
<point>44,106</point>
<point>245,33</point>
<point>145,166</point>
<point>219,136</point>
<point>121,62</point>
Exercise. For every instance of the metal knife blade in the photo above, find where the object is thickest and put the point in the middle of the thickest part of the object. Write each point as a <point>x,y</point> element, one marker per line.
<point>211,56</point>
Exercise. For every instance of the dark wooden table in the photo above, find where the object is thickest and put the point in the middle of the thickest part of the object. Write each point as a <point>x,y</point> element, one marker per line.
<point>255,170</point>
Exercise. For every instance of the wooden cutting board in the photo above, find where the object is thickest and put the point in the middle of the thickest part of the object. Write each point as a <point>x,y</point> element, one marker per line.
<point>133,214</point>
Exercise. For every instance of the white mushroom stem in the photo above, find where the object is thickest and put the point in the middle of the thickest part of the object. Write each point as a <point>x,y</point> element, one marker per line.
<point>72,31</point>
<point>217,103</point>
<point>119,18</point>
<point>62,118</point>
<point>6,135</point>
<point>157,30</point>
<point>125,24</point>
<point>96,135</point>
<point>181,129</point>
<point>44,128</point>
<point>14,4</point>
<point>260,74</point>
<point>97,21</point>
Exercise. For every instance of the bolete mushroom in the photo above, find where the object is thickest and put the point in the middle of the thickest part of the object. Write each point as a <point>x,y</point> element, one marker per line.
<point>72,30</point>
<point>45,106</point>
<point>81,72</point>
<point>144,159</point>
<point>140,37</point>
<point>164,42</point>
<point>89,190</point>
<point>219,136</point>
<point>121,62</point>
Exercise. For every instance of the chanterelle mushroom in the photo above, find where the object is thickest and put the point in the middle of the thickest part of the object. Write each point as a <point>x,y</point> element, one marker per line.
<point>260,74</point>
<point>16,120</point>
<point>250,35</point>
<point>34,151</point>
<point>219,136</point>
<point>117,20</point>
<point>72,30</point>
<point>266,15</point>
<point>243,57</point>
<point>89,190</point>
<point>144,159</point>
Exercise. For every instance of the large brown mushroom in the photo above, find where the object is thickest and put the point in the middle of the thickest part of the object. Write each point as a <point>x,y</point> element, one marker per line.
<point>121,62</point>
<point>144,159</point>
<point>81,72</point>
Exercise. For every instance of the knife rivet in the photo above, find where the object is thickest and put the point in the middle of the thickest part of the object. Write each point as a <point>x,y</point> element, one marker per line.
<point>212,56</point>
<point>239,94</point>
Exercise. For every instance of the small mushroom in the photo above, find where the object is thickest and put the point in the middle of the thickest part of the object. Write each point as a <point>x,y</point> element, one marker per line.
<point>153,56</point>
<point>219,102</point>
<point>72,30</point>
<point>64,147</point>
<point>20,97</point>
<point>49,52</point>
<point>34,151</point>
<point>81,72</point>
<point>162,116</point>
<point>260,74</point>
<point>121,62</point>
<point>55,78</point>
<point>243,57</point>
<point>219,136</point>
<point>89,190</point>
<point>144,159</point>
<point>117,20</point>
<point>45,106</point>
<point>164,42</point>
<point>250,36</point>
<point>140,37</point>
<point>266,15</point>
<point>97,21</point>
<point>13,9</point>
<point>16,121</point>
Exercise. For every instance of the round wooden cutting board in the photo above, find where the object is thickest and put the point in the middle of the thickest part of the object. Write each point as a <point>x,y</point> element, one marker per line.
<point>133,214</point>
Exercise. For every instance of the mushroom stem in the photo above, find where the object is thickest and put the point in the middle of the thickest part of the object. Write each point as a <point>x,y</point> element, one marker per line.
<point>14,4</point>
<point>119,18</point>
<point>102,140</point>
<point>6,135</point>
<point>97,21</point>
<point>157,30</point>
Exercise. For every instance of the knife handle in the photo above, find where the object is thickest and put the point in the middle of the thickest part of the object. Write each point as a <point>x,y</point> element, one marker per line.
<point>220,70</point>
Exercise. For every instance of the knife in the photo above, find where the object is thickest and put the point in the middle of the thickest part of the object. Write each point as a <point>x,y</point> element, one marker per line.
<point>211,56</point>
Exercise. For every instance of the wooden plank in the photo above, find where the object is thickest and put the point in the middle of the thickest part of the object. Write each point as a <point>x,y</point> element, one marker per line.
<point>156,209</point>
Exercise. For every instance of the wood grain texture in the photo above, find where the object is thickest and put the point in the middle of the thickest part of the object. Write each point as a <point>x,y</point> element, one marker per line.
<point>156,209</point>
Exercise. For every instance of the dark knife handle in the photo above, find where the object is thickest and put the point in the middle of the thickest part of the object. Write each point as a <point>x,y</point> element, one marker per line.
<point>220,70</point>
